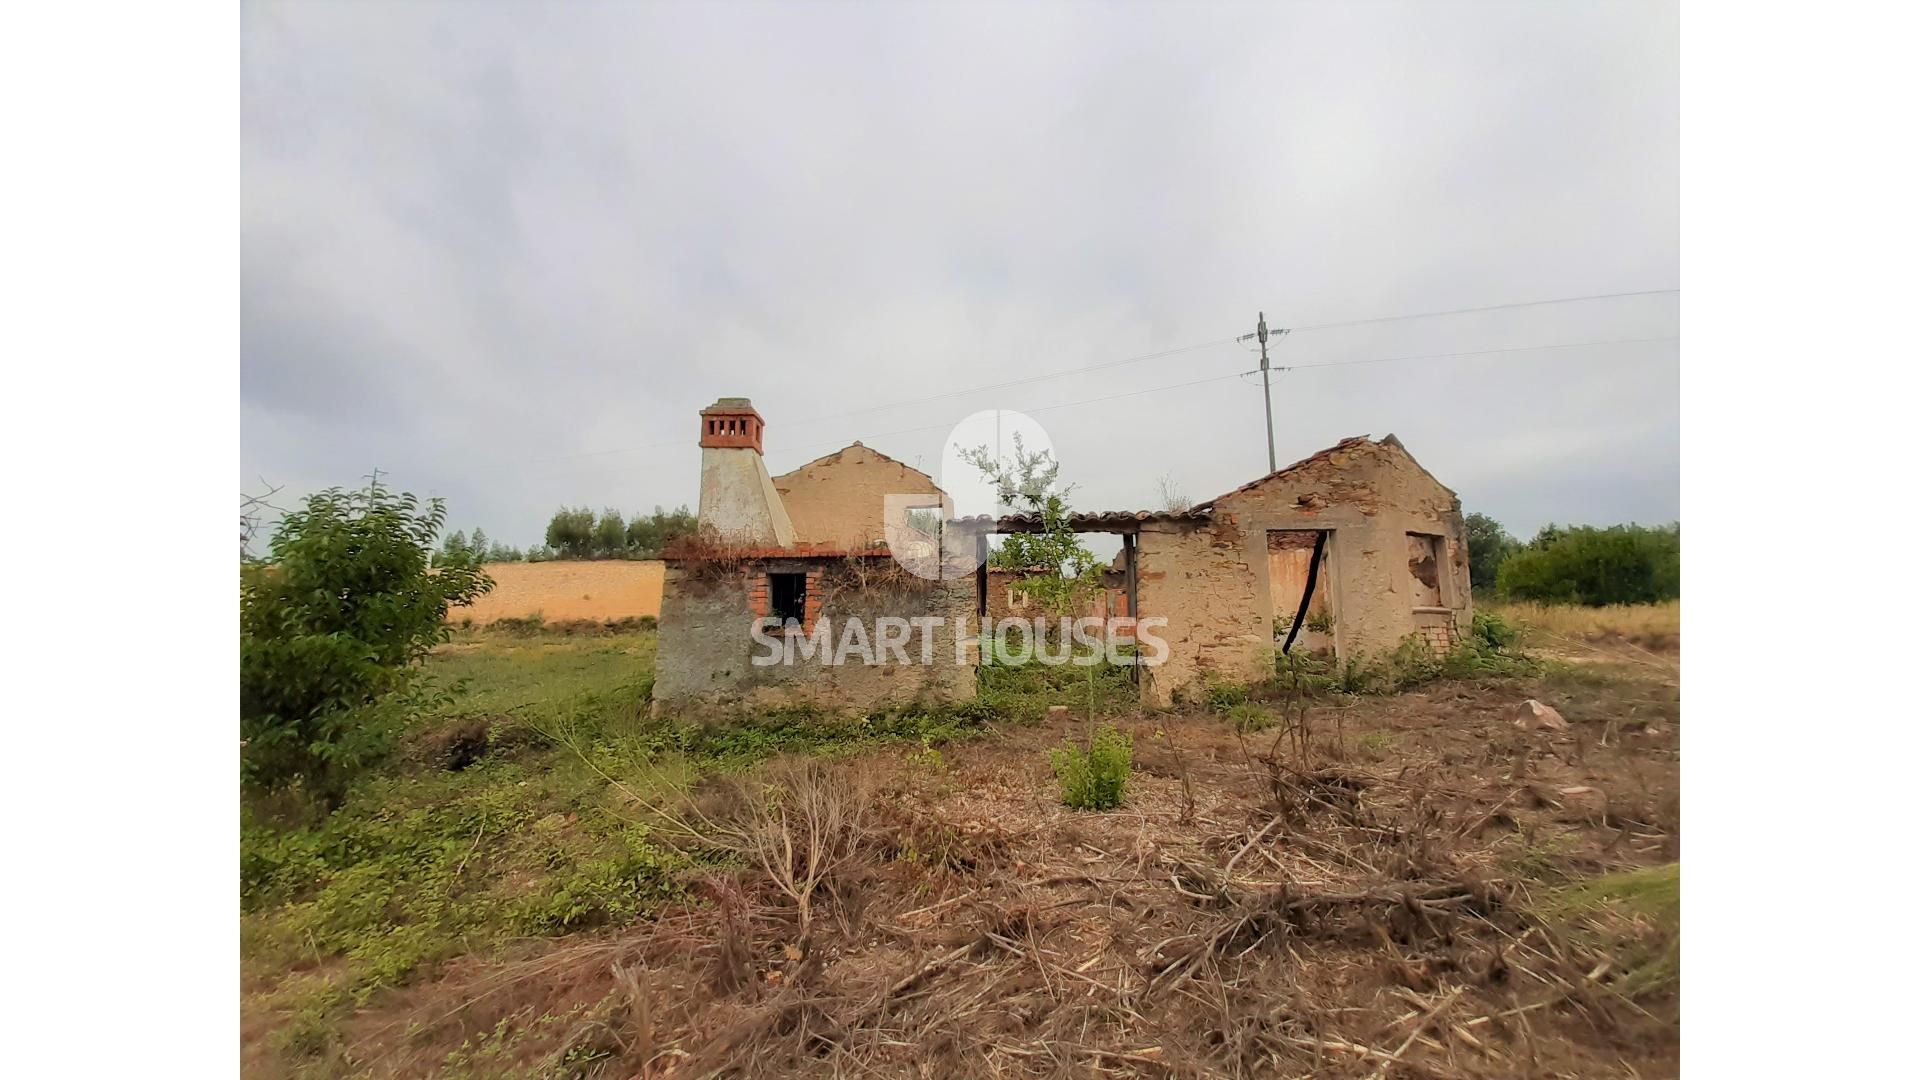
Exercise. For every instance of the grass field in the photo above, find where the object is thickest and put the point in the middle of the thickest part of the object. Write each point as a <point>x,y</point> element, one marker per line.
<point>1286,882</point>
<point>1652,626</point>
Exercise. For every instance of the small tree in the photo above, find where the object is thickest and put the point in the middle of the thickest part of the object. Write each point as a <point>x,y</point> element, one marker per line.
<point>455,551</point>
<point>1061,574</point>
<point>478,545</point>
<point>332,628</point>
<point>570,533</point>
<point>1488,545</point>
<point>610,534</point>
<point>649,535</point>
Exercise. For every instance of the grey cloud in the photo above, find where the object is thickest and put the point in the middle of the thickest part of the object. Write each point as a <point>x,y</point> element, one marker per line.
<point>485,244</point>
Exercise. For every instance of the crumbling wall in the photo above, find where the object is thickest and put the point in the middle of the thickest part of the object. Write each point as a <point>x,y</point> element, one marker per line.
<point>1197,577</point>
<point>706,647</point>
<point>840,500</point>
<point>1371,495</point>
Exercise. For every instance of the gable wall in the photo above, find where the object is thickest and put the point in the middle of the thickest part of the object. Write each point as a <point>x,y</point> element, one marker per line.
<point>1371,496</point>
<point>840,501</point>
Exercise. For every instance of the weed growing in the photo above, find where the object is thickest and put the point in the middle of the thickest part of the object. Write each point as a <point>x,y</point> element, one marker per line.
<point>1632,917</point>
<point>1094,777</point>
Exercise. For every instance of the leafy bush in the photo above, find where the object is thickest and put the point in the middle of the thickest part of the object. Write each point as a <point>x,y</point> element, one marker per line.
<point>1095,777</point>
<point>332,627</point>
<point>1223,697</point>
<point>1622,564</point>
<point>1493,631</point>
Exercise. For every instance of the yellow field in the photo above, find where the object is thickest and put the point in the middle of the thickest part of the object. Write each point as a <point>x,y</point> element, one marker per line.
<point>566,591</point>
<point>1655,626</point>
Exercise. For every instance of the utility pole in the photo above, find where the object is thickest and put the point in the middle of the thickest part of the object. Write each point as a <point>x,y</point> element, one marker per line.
<point>1266,384</point>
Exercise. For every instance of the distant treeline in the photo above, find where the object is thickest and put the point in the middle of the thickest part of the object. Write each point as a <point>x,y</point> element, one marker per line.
<point>577,533</point>
<point>1619,564</point>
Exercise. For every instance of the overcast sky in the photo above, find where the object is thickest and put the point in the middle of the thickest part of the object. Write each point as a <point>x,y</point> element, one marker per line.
<point>506,253</point>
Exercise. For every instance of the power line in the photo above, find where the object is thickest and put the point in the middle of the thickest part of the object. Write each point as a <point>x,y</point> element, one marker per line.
<point>817,420</point>
<point>1071,404</point>
<point>1030,379</point>
<point>1103,365</point>
<point>1475,310</point>
<point>1480,352</point>
<point>1333,363</point>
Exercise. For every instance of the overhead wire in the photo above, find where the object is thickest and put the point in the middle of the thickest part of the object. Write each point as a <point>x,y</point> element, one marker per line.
<point>1108,364</point>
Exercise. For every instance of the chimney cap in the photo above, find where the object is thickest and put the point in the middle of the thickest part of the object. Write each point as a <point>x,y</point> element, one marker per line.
<point>731,406</point>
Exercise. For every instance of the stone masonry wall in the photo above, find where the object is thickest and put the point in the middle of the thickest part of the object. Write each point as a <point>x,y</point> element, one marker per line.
<point>1371,495</point>
<point>706,649</point>
<point>1198,578</point>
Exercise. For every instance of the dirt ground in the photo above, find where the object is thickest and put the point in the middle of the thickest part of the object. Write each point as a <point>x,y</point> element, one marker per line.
<point>1378,891</point>
<point>598,590</point>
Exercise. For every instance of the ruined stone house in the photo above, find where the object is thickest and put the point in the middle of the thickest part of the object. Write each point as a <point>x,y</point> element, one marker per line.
<point>1348,553</point>
<point>1231,574</point>
<point>808,545</point>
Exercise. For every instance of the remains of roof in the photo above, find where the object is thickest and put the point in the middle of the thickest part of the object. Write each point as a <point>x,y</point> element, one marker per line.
<point>854,445</point>
<point>1121,521</point>
<point>1350,443</point>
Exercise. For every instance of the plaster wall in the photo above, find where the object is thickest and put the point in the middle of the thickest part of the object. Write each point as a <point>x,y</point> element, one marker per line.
<point>1197,577</point>
<point>840,500</point>
<point>738,502</point>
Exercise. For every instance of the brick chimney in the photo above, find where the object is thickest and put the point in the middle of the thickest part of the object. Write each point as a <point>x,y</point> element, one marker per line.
<point>738,503</point>
<point>732,423</point>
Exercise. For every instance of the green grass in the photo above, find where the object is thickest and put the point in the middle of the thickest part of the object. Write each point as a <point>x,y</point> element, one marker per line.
<point>541,673</point>
<point>1633,916</point>
<point>1021,694</point>
<point>540,836</point>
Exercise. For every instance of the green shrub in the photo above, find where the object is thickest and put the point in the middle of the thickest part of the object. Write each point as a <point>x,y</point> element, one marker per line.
<point>1224,697</point>
<point>1412,663</point>
<point>1493,631</point>
<point>1623,564</point>
<point>1095,777</point>
<point>332,627</point>
<point>1248,716</point>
